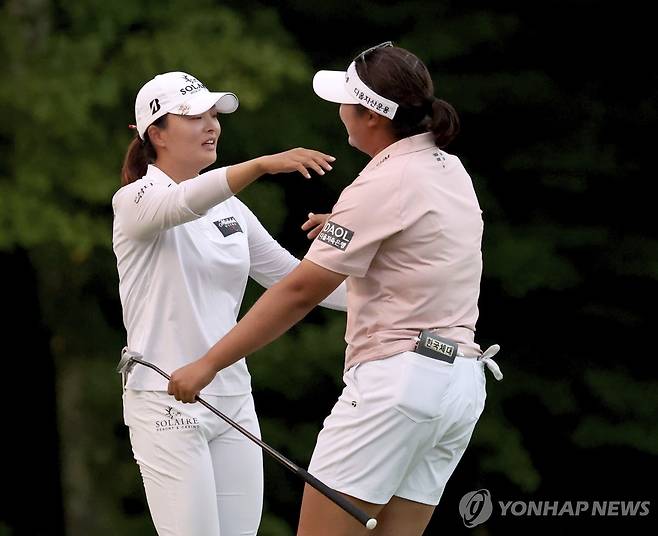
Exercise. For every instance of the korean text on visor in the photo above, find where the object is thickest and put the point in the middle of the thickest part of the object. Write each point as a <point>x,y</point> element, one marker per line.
<point>366,96</point>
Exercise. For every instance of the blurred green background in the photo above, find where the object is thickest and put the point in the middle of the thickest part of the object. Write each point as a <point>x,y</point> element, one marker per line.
<point>558,108</point>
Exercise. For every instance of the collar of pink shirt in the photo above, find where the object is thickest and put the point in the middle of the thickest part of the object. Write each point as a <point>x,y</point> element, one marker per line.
<point>412,144</point>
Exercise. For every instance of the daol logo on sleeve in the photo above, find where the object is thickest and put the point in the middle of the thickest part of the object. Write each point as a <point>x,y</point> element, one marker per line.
<point>336,235</point>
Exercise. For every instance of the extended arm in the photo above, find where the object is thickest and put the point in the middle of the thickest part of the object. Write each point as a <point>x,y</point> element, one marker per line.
<point>145,208</point>
<point>280,308</point>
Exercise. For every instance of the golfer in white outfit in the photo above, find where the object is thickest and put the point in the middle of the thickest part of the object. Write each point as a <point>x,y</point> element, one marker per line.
<point>185,248</point>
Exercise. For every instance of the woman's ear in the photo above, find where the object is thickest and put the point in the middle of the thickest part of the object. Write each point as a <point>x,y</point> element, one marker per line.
<point>374,119</point>
<point>155,134</point>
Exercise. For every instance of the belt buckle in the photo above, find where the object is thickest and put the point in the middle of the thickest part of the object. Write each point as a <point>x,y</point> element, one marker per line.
<point>436,347</point>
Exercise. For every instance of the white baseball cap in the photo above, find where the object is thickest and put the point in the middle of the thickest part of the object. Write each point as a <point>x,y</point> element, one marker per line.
<point>178,93</point>
<point>345,87</point>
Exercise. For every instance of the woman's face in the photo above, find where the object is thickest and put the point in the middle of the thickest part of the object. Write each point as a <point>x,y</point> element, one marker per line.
<point>191,140</point>
<point>356,124</point>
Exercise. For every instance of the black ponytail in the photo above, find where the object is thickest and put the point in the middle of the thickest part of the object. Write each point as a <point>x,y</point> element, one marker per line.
<point>444,123</point>
<point>139,155</point>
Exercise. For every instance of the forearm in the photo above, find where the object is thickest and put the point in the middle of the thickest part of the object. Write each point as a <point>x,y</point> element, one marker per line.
<point>207,190</point>
<point>242,175</point>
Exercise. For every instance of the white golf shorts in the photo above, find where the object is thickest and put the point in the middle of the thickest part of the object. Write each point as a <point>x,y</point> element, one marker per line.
<point>202,477</point>
<point>400,427</point>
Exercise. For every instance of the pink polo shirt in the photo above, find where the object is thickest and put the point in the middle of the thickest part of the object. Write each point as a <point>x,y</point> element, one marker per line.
<point>408,233</point>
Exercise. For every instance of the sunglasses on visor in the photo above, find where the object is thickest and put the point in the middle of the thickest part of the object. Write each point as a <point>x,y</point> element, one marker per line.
<point>362,56</point>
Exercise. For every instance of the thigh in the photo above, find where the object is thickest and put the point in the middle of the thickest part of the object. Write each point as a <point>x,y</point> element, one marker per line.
<point>171,449</point>
<point>238,469</point>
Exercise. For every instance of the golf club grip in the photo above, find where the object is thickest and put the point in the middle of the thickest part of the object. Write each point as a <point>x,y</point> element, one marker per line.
<point>336,497</point>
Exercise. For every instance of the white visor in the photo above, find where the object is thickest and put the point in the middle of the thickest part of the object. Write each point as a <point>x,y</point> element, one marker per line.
<point>345,87</point>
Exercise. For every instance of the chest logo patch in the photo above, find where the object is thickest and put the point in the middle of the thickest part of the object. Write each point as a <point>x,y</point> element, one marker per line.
<point>336,235</point>
<point>228,226</point>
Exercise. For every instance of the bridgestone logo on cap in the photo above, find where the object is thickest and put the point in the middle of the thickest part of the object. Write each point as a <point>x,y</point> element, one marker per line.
<point>155,106</point>
<point>336,235</point>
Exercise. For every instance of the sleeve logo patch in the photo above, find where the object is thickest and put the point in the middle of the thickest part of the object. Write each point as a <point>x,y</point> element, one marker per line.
<point>336,235</point>
<point>141,191</point>
<point>228,226</point>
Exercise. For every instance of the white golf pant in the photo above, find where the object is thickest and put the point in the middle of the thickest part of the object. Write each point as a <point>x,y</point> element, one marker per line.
<point>202,477</point>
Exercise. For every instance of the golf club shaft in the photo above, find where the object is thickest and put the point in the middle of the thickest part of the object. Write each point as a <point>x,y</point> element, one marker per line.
<point>331,494</point>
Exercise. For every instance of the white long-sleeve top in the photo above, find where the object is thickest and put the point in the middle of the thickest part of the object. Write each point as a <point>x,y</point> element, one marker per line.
<point>184,253</point>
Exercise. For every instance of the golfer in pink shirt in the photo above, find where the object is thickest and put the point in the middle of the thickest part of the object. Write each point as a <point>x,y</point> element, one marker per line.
<point>406,235</point>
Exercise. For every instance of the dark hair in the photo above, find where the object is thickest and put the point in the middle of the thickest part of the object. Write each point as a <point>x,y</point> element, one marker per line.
<point>139,155</point>
<point>398,75</point>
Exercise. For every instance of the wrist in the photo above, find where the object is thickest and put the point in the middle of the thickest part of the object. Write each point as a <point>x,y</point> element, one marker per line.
<point>262,165</point>
<point>210,363</point>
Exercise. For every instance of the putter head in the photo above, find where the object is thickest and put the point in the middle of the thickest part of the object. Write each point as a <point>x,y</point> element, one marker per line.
<point>126,362</point>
